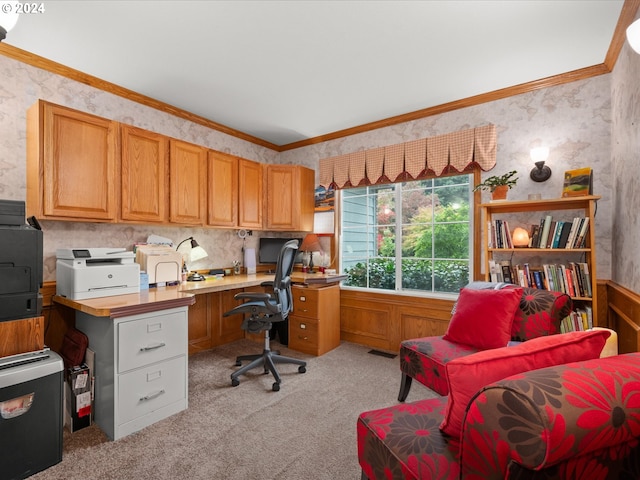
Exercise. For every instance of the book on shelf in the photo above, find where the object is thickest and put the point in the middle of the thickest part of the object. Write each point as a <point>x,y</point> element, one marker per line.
<point>545,231</point>
<point>559,234</point>
<point>575,225</point>
<point>582,235</point>
<point>534,235</point>
<point>564,235</point>
<point>570,279</point>
<point>579,320</point>
<point>505,266</point>
<point>556,234</point>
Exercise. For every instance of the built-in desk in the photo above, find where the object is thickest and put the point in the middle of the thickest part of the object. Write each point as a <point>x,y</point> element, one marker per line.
<point>208,327</point>
<point>140,345</point>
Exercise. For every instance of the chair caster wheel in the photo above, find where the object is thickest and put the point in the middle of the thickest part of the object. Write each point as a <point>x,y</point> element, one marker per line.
<point>235,382</point>
<point>276,387</point>
<point>302,369</point>
<point>238,363</point>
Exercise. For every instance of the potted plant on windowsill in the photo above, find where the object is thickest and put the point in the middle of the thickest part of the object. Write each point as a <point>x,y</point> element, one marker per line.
<point>498,185</point>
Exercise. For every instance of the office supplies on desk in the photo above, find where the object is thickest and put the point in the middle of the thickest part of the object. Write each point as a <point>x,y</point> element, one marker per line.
<point>83,273</point>
<point>161,262</point>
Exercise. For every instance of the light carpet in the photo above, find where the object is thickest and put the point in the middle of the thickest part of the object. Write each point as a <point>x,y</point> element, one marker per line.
<point>307,430</point>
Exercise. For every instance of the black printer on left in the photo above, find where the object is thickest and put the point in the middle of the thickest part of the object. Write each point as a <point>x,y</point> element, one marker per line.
<point>20,263</point>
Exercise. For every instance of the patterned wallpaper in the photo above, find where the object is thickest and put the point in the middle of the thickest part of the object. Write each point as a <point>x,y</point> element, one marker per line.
<point>625,171</point>
<point>22,85</point>
<point>573,120</point>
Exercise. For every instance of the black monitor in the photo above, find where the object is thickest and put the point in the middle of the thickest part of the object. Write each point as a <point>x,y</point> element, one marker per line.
<point>269,249</point>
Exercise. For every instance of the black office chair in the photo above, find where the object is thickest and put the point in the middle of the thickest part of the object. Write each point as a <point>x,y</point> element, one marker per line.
<point>262,309</point>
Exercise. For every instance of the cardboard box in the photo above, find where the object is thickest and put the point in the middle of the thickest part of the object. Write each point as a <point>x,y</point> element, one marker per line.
<point>77,398</point>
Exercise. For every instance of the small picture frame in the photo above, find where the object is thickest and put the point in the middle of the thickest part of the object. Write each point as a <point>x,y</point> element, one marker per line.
<point>578,182</point>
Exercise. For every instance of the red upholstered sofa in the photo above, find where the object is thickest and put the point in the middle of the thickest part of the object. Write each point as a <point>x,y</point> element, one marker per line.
<point>539,313</point>
<point>578,420</point>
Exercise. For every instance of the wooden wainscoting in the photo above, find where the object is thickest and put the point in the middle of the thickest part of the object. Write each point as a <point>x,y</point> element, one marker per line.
<point>623,316</point>
<point>382,321</point>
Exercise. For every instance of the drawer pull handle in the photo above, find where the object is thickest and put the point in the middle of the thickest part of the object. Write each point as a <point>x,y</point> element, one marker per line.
<point>152,347</point>
<point>303,338</point>
<point>152,396</point>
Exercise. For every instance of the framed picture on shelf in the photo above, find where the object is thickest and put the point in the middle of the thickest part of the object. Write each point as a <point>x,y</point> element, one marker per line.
<point>578,182</point>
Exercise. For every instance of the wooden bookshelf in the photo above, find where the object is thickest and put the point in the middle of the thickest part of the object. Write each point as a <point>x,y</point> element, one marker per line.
<point>562,209</point>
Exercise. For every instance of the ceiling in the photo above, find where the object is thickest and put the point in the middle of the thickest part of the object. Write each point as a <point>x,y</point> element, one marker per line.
<point>287,71</point>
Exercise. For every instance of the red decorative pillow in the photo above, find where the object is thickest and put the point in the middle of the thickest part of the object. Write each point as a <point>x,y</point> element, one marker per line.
<point>483,318</point>
<point>467,375</point>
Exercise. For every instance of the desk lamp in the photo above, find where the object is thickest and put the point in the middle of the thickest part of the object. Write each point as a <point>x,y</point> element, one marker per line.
<point>311,244</point>
<point>196,253</point>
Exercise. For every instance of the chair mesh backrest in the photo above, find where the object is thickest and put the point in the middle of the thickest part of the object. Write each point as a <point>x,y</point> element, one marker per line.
<point>282,282</point>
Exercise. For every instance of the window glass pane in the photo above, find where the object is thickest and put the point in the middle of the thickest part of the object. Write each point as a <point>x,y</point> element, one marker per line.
<point>450,275</point>
<point>417,274</point>
<point>429,219</point>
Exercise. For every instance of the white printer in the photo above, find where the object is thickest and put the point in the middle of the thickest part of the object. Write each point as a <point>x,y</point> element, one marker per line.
<point>96,272</point>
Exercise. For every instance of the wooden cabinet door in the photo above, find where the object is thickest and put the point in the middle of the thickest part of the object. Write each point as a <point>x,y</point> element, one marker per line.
<point>144,175</point>
<point>250,194</point>
<point>79,164</point>
<point>290,198</point>
<point>222,207</point>
<point>228,328</point>
<point>200,328</point>
<point>188,183</point>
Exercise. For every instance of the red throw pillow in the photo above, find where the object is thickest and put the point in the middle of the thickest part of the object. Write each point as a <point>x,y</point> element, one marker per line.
<point>467,375</point>
<point>483,318</point>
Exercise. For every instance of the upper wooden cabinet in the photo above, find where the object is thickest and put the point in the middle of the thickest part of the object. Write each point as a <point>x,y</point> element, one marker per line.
<point>188,183</point>
<point>144,188</point>
<point>71,164</point>
<point>81,167</point>
<point>223,190</point>
<point>249,194</point>
<point>290,197</point>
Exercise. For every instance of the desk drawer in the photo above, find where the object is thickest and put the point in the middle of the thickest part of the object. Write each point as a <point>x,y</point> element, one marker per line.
<point>303,335</point>
<point>151,388</point>
<point>305,302</point>
<point>151,339</point>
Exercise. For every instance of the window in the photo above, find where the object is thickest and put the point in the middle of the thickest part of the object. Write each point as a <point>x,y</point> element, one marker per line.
<point>410,237</point>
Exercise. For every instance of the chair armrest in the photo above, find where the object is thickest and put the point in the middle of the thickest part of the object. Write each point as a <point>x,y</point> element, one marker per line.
<point>267,283</point>
<point>252,296</point>
<point>548,416</point>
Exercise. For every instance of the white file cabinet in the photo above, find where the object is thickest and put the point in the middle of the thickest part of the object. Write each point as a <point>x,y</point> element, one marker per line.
<point>140,368</point>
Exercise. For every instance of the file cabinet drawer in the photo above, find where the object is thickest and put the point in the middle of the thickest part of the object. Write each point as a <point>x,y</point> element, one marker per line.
<point>303,335</point>
<point>305,302</point>
<point>151,339</point>
<point>151,388</point>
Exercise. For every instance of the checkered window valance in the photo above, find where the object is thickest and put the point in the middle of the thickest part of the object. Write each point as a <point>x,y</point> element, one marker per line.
<point>424,158</point>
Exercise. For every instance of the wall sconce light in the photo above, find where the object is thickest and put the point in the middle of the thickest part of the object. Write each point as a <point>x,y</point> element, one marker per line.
<point>520,237</point>
<point>196,253</point>
<point>633,35</point>
<point>541,173</point>
<point>8,17</point>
